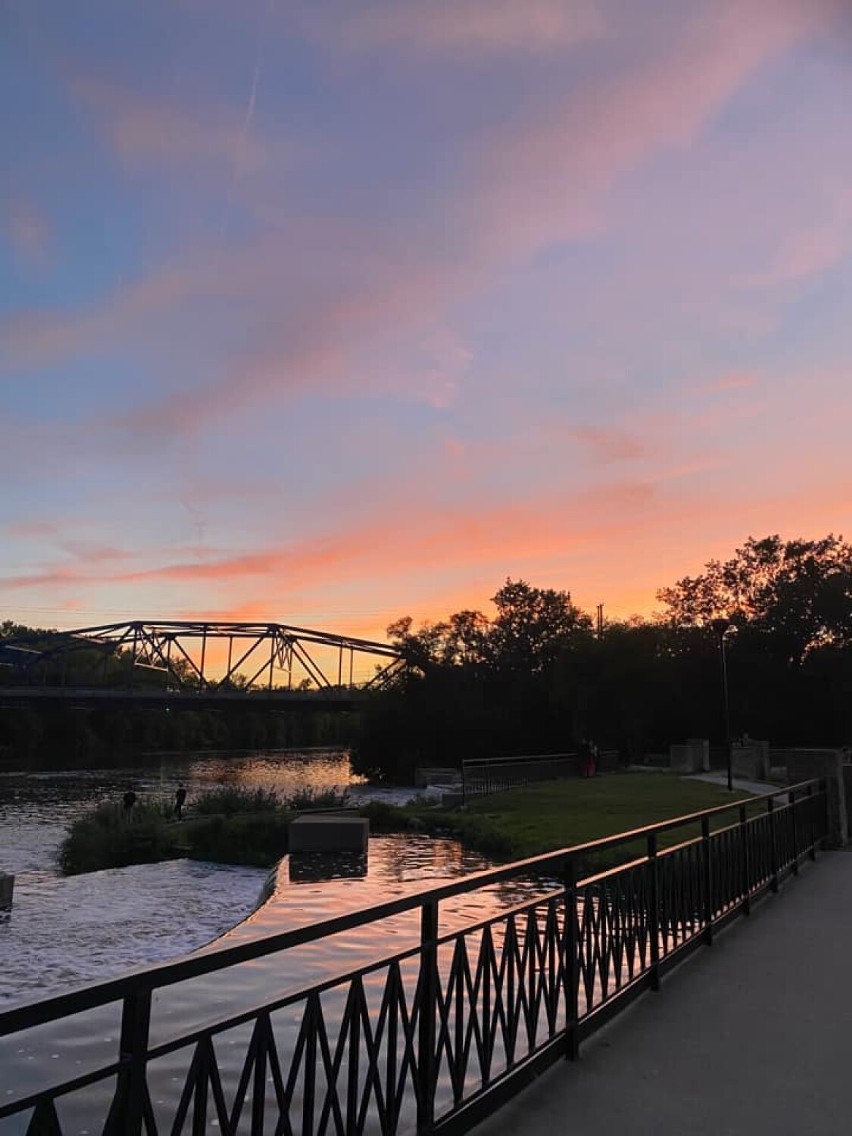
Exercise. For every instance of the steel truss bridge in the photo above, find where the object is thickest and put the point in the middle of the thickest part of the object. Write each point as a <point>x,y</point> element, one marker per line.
<point>196,664</point>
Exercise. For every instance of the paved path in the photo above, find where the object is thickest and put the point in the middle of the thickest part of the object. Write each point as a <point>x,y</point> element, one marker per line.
<point>752,1037</point>
<point>721,779</point>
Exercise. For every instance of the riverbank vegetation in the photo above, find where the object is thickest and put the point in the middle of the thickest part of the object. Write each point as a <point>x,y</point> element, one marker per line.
<point>539,818</point>
<point>227,825</point>
<point>239,827</point>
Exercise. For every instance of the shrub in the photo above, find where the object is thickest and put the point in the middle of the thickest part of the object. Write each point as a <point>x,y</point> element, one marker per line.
<point>109,837</point>
<point>305,799</point>
<point>229,800</point>
<point>251,838</point>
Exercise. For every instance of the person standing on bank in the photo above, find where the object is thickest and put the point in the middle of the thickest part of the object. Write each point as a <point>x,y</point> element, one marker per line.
<point>180,797</point>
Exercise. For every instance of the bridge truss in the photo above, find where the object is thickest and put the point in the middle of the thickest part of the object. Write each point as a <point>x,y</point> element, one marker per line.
<point>203,657</point>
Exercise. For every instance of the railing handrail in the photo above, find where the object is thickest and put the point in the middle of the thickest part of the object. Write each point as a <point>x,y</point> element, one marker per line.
<point>521,758</point>
<point>39,1012</point>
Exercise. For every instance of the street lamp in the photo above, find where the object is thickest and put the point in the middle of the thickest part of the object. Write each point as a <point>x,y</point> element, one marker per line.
<point>721,627</point>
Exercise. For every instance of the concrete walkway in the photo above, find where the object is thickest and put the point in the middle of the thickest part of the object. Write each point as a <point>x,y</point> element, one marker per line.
<point>750,1037</point>
<point>743,783</point>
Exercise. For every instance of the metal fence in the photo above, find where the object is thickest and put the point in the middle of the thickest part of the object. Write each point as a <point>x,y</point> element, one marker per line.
<point>434,1037</point>
<point>484,775</point>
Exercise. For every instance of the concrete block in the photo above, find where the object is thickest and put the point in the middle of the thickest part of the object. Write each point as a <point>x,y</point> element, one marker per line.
<point>329,834</point>
<point>7,887</point>
<point>436,775</point>
<point>751,760</point>
<point>693,757</point>
<point>700,753</point>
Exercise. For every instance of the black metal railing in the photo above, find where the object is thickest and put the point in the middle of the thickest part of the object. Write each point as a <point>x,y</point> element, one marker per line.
<point>484,775</point>
<point>436,1035</point>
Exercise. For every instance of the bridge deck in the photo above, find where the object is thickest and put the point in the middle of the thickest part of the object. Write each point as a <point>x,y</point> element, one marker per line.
<point>751,1036</point>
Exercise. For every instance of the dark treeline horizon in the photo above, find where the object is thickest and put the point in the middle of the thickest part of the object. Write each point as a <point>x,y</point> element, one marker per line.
<point>538,677</point>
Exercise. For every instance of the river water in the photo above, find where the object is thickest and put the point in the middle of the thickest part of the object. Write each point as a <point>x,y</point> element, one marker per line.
<point>62,932</point>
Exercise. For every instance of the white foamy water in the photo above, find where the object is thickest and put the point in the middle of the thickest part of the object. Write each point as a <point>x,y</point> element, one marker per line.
<point>63,932</point>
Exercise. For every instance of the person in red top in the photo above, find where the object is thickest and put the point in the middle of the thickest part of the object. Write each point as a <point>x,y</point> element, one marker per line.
<point>589,756</point>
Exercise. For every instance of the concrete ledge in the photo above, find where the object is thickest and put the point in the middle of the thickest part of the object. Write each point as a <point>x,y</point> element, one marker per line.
<point>329,834</point>
<point>7,887</point>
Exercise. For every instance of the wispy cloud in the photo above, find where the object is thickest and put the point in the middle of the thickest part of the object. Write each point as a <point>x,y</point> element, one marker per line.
<point>29,233</point>
<point>143,131</point>
<point>457,26</point>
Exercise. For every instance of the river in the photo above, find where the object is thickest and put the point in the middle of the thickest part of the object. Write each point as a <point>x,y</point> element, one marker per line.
<point>65,931</point>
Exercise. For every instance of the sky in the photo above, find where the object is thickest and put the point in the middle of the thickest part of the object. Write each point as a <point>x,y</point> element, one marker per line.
<point>335,311</point>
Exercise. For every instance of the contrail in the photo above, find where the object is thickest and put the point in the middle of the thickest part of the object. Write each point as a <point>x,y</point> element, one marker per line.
<point>255,82</point>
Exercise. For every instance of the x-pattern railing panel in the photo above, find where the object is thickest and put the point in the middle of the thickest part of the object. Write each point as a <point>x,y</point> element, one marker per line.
<point>415,1040</point>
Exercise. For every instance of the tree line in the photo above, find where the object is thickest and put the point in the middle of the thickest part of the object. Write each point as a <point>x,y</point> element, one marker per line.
<point>538,676</point>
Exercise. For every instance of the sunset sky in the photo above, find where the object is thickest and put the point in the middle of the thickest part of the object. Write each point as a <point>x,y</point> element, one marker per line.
<point>332,311</point>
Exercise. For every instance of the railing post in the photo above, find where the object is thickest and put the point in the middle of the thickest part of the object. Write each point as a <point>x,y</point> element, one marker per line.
<point>654,911</point>
<point>811,823</point>
<point>127,1111</point>
<point>794,833</point>
<point>773,845</point>
<point>427,1058</point>
<point>571,963</point>
<point>707,880</point>
<point>746,876</point>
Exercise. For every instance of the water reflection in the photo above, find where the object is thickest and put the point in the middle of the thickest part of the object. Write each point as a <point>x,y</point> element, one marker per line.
<point>316,867</point>
<point>37,804</point>
<point>62,932</point>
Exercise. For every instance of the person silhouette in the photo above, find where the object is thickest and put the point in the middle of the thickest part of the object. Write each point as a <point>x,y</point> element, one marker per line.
<point>129,800</point>
<point>180,797</point>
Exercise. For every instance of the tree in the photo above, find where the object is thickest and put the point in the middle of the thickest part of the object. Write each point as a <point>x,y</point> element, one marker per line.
<point>794,596</point>
<point>533,626</point>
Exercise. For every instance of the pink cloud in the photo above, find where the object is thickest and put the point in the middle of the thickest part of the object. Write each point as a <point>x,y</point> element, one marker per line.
<point>478,26</point>
<point>736,381</point>
<point>545,180</point>
<point>608,445</point>
<point>31,528</point>
<point>810,251</point>
<point>143,131</point>
<point>539,181</point>
<point>29,232</point>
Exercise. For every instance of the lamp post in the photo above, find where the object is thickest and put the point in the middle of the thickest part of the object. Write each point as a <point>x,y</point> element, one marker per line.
<point>721,627</point>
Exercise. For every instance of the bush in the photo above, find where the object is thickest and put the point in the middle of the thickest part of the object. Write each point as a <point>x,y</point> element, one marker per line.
<point>258,839</point>
<point>231,800</point>
<point>110,837</point>
<point>305,799</point>
<point>227,825</point>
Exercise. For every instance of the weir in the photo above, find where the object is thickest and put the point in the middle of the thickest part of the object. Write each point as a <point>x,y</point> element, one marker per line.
<point>430,1038</point>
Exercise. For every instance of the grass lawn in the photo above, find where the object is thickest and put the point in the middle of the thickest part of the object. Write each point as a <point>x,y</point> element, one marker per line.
<point>556,814</point>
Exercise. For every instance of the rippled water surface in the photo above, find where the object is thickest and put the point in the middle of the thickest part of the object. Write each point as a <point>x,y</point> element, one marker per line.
<point>65,931</point>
